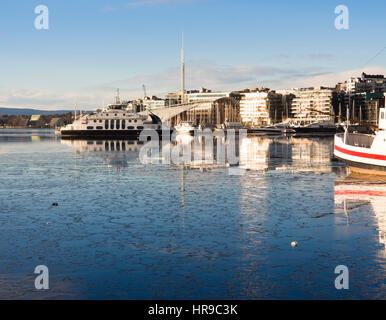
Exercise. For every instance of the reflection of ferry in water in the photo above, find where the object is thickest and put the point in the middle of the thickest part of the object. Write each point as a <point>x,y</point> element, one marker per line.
<point>115,153</point>
<point>364,153</point>
<point>112,122</point>
<point>356,191</point>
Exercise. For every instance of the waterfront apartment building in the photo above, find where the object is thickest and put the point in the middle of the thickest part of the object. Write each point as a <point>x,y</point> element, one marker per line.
<point>361,97</point>
<point>261,107</point>
<point>147,103</point>
<point>364,106</point>
<point>365,83</point>
<point>314,104</point>
<point>208,95</point>
<point>152,103</point>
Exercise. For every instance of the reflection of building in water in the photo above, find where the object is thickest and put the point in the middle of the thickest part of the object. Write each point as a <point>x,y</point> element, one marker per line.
<point>351,194</point>
<point>295,154</point>
<point>311,151</point>
<point>115,153</point>
<point>204,151</point>
<point>254,154</point>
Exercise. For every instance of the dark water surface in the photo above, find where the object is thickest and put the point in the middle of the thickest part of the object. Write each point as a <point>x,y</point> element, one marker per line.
<point>126,229</point>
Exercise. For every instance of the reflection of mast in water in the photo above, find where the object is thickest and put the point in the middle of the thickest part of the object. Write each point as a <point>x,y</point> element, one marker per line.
<point>76,171</point>
<point>183,195</point>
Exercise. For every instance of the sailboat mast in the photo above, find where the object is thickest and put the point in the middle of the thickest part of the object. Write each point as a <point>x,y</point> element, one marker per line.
<point>182,71</point>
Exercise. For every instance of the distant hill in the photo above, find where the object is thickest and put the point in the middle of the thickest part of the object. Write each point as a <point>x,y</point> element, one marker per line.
<point>29,112</point>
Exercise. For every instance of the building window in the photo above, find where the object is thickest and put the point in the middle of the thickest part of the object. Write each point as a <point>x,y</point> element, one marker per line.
<point>382,115</point>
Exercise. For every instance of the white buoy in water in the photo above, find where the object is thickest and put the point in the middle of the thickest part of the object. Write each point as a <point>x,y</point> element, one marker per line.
<point>294,244</point>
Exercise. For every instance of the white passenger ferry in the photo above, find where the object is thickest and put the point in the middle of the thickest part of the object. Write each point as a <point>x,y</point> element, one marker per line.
<point>364,153</point>
<point>113,122</point>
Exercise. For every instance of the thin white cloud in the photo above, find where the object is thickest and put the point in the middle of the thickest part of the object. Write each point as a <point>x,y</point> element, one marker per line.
<point>139,3</point>
<point>332,78</point>
<point>199,73</point>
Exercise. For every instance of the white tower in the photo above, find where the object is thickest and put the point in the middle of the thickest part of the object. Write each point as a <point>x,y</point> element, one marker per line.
<point>182,71</point>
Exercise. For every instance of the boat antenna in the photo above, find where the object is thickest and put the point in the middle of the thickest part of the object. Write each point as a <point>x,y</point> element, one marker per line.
<point>117,100</point>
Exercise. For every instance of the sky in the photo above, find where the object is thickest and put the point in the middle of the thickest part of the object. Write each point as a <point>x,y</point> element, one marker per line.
<point>93,47</point>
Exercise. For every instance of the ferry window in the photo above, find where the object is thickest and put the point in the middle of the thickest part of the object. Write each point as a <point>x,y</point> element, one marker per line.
<point>90,128</point>
<point>95,121</point>
<point>382,115</point>
<point>117,122</point>
<point>100,121</point>
<point>129,120</point>
<point>112,124</point>
<point>123,124</point>
<point>112,145</point>
<point>135,120</point>
<point>107,146</point>
<point>139,127</point>
<point>123,146</point>
<point>99,127</point>
<point>130,127</point>
<point>118,145</point>
<point>106,124</point>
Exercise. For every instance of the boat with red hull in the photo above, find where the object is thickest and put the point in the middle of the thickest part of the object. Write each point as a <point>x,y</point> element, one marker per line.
<point>364,153</point>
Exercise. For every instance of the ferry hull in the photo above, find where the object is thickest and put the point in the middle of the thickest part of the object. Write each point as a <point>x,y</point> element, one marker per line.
<point>364,168</point>
<point>360,159</point>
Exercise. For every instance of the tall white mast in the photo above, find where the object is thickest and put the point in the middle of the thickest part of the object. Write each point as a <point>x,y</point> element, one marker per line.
<point>75,107</point>
<point>182,71</point>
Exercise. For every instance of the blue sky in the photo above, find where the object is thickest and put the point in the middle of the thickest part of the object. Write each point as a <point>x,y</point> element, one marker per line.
<point>95,46</point>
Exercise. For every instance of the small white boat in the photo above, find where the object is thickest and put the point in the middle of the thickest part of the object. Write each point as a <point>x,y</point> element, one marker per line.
<point>232,125</point>
<point>185,127</point>
<point>364,153</point>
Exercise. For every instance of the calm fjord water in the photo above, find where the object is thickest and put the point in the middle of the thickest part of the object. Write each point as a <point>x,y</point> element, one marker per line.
<point>124,229</point>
